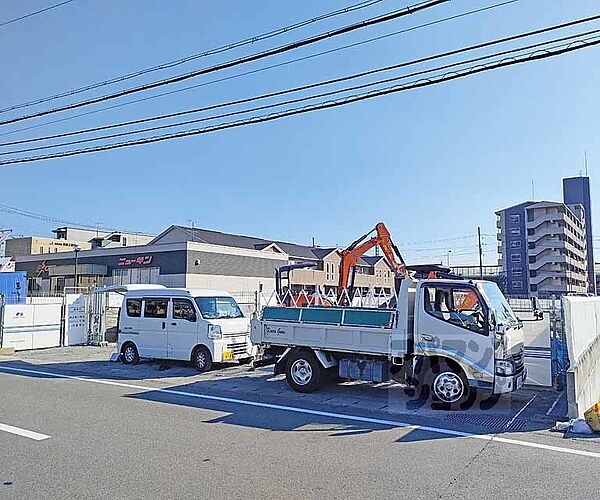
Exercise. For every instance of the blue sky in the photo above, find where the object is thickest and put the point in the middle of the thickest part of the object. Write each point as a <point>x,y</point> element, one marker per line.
<point>433,164</point>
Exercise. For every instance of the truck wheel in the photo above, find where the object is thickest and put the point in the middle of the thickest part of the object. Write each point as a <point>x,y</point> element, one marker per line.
<point>202,359</point>
<point>129,354</point>
<point>449,386</point>
<point>304,372</point>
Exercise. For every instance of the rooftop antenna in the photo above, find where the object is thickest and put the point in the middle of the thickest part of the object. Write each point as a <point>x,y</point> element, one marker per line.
<point>532,190</point>
<point>585,161</point>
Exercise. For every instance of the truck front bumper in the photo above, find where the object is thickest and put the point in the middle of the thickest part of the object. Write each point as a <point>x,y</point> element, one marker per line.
<point>502,385</point>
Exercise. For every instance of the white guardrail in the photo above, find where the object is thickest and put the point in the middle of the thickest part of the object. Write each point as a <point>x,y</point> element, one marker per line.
<point>582,328</point>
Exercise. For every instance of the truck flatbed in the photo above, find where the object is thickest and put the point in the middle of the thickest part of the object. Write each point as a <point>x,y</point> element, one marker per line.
<point>342,329</point>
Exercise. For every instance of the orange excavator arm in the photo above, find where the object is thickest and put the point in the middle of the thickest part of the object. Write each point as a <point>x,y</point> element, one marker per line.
<point>352,254</point>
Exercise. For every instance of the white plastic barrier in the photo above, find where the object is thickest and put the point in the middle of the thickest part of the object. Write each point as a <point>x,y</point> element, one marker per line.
<point>538,354</point>
<point>31,326</point>
<point>582,328</point>
<point>76,319</point>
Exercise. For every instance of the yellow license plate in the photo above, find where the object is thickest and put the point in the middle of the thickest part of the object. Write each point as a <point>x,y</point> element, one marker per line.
<point>227,355</point>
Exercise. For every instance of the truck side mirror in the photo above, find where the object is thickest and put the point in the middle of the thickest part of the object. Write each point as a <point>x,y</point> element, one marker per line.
<point>538,314</point>
<point>492,320</point>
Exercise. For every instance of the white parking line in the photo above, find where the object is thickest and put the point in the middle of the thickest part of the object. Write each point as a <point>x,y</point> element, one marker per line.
<point>307,411</point>
<point>23,432</point>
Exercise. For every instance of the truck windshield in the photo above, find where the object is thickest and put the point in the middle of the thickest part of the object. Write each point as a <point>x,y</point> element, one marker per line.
<point>498,302</point>
<point>218,307</point>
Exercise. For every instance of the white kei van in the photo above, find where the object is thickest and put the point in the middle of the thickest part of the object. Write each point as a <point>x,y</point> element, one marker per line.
<point>201,326</point>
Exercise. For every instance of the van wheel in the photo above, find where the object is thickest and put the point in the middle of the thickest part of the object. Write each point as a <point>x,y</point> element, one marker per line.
<point>202,359</point>
<point>304,372</point>
<point>449,386</point>
<point>129,354</point>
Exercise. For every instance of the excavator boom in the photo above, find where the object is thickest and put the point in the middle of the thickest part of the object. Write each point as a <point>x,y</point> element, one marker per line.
<point>352,254</point>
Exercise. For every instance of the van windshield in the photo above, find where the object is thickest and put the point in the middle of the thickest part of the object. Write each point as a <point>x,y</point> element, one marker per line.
<point>218,307</point>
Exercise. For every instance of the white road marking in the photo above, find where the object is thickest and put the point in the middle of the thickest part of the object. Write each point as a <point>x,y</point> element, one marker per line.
<point>307,411</point>
<point>554,404</point>
<point>520,411</point>
<point>23,432</point>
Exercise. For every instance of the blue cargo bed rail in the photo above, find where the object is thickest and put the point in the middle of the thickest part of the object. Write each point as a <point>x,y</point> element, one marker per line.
<point>344,316</point>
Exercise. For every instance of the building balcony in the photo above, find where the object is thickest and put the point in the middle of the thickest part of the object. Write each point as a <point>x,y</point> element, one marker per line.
<point>550,258</point>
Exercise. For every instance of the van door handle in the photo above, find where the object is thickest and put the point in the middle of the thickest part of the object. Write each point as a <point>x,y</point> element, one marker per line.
<point>173,324</point>
<point>426,338</point>
<point>164,325</point>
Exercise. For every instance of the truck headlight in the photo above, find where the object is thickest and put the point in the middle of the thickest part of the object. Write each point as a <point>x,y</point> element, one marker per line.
<point>504,367</point>
<point>214,332</point>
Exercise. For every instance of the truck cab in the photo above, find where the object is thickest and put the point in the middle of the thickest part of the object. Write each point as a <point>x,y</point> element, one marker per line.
<point>470,325</point>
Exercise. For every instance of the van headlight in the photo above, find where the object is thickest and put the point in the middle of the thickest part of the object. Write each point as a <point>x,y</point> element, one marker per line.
<point>214,332</point>
<point>504,367</point>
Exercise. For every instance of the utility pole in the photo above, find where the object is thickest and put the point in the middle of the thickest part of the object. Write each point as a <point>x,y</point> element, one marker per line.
<point>480,253</point>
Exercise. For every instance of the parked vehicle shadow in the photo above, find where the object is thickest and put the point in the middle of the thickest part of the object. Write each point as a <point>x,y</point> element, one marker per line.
<point>257,399</point>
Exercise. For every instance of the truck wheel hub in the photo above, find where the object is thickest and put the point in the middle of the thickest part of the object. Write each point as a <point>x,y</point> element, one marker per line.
<point>448,386</point>
<point>301,372</point>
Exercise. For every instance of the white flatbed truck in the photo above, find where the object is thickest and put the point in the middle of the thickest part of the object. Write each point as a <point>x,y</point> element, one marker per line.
<point>448,336</point>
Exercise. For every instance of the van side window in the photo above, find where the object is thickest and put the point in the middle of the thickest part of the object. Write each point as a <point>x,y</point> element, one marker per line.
<point>183,309</point>
<point>134,308</point>
<point>460,306</point>
<point>155,308</point>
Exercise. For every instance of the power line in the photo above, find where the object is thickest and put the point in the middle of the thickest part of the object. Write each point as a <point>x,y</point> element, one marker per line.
<point>47,218</point>
<point>229,64</point>
<point>294,90</point>
<point>316,107</point>
<point>292,101</point>
<point>176,62</point>
<point>264,68</point>
<point>35,13</point>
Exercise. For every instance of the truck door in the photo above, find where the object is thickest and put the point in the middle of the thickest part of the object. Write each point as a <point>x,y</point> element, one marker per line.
<point>183,329</point>
<point>452,322</point>
<point>153,328</point>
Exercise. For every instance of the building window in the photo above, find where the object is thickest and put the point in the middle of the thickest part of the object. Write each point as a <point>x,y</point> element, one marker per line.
<point>135,276</point>
<point>530,232</point>
<point>514,218</point>
<point>515,244</point>
<point>41,249</point>
<point>517,285</point>
<point>515,231</point>
<point>517,271</point>
<point>515,258</point>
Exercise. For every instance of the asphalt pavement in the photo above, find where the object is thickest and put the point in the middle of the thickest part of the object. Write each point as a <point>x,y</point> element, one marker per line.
<point>73,425</point>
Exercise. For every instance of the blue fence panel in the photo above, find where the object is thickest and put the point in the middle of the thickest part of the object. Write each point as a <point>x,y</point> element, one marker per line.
<point>14,287</point>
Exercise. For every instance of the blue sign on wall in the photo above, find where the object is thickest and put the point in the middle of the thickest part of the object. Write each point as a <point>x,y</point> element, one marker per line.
<point>14,287</point>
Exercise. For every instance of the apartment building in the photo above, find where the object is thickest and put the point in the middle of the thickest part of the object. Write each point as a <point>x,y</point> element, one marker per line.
<point>576,190</point>
<point>542,247</point>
